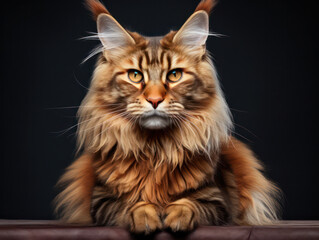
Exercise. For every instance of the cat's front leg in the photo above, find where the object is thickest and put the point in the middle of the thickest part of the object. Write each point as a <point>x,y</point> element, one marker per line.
<point>181,215</point>
<point>144,218</point>
<point>106,208</point>
<point>109,210</point>
<point>203,207</point>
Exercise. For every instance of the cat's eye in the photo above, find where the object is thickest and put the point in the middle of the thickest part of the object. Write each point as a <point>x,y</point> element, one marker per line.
<point>135,76</point>
<point>175,75</point>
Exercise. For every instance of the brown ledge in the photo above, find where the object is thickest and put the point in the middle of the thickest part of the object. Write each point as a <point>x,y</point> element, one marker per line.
<point>36,229</point>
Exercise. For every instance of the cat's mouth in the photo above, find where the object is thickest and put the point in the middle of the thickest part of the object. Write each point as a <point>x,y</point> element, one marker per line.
<point>154,120</point>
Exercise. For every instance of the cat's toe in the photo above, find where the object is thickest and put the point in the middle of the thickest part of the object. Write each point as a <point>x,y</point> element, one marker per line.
<point>179,218</point>
<point>145,219</point>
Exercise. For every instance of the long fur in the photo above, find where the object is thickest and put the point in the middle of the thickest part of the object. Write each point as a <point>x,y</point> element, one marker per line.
<point>193,172</point>
<point>257,195</point>
<point>96,8</point>
<point>206,5</point>
<point>75,200</point>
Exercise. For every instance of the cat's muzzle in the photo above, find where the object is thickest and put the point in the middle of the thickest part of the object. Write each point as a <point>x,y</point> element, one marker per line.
<point>154,120</point>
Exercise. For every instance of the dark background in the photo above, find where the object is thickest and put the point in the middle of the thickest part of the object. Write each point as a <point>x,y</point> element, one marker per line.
<point>268,67</point>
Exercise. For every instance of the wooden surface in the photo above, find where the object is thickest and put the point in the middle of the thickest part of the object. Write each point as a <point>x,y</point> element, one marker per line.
<point>42,229</point>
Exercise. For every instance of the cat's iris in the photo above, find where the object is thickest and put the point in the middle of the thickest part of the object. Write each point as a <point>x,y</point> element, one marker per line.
<point>135,76</point>
<point>175,75</point>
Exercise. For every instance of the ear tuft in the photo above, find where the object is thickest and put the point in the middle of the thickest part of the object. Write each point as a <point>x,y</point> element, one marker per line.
<point>206,5</point>
<point>96,7</point>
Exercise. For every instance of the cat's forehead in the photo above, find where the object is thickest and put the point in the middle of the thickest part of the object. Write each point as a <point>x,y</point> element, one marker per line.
<point>157,58</point>
<point>152,54</point>
<point>154,45</point>
<point>154,42</point>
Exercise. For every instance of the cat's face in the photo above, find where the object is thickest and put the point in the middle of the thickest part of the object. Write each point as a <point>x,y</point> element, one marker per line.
<point>154,82</point>
<point>153,95</point>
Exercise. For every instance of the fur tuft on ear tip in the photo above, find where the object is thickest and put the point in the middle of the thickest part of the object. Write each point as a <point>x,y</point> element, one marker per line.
<point>206,5</point>
<point>96,7</point>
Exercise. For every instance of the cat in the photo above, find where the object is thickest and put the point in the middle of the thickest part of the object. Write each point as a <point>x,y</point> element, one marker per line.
<point>155,135</point>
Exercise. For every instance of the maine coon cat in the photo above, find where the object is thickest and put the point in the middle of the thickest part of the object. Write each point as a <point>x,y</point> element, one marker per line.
<point>155,135</point>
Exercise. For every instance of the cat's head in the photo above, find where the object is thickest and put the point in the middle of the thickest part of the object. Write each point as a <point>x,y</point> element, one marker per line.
<point>155,83</point>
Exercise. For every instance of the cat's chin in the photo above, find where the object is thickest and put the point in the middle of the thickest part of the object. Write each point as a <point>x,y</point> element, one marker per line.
<point>154,121</point>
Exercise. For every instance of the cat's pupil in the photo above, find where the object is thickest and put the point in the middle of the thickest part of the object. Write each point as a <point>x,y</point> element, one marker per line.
<point>174,73</point>
<point>135,74</point>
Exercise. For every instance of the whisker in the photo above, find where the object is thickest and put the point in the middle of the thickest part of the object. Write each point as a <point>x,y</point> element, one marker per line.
<point>98,49</point>
<point>101,123</point>
<point>204,149</point>
<point>108,127</point>
<point>192,124</point>
<point>237,110</point>
<point>82,122</point>
<point>241,136</point>
<point>184,120</point>
<point>76,79</point>
<point>84,106</point>
<point>72,107</point>
<point>246,130</point>
<point>73,126</point>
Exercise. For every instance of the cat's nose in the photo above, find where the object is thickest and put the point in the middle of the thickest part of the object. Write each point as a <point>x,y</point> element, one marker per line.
<point>154,101</point>
<point>155,95</point>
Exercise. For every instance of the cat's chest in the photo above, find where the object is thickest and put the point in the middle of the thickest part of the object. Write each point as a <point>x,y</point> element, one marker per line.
<point>139,181</point>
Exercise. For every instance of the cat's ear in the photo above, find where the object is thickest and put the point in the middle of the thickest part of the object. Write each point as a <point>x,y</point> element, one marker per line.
<point>110,32</point>
<point>195,30</point>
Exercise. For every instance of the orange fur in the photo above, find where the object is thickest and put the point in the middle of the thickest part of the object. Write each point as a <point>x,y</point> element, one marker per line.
<point>96,7</point>
<point>249,179</point>
<point>76,197</point>
<point>187,173</point>
<point>185,208</point>
<point>145,218</point>
<point>160,185</point>
<point>206,5</point>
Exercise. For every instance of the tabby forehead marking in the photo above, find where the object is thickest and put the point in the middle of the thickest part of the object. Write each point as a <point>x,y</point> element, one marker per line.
<point>155,62</point>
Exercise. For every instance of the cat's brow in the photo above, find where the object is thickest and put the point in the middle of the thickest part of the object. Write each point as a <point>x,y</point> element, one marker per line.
<point>140,62</point>
<point>146,54</point>
<point>153,50</point>
<point>169,61</point>
<point>162,57</point>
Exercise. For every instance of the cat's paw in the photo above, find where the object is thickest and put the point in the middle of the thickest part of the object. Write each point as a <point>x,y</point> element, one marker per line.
<point>145,218</point>
<point>180,216</point>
